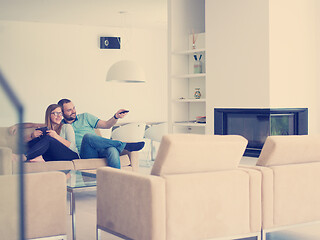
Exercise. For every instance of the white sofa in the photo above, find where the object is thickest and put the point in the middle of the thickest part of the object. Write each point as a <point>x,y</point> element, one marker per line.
<point>8,145</point>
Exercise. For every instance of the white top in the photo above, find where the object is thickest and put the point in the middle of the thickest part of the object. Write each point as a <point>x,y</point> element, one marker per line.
<point>68,134</point>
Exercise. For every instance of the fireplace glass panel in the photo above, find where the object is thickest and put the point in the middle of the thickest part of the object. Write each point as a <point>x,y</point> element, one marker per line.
<point>257,124</point>
<point>254,127</point>
<point>282,124</point>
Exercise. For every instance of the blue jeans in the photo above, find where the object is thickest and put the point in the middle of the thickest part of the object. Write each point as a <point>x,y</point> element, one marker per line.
<point>94,146</point>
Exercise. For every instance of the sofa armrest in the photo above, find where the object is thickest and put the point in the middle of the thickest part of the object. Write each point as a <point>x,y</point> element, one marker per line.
<point>33,167</point>
<point>5,161</point>
<point>45,204</point>
<point>131,204</point>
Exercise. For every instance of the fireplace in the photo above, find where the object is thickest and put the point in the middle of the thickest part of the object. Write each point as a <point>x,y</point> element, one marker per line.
<point>257,124</point>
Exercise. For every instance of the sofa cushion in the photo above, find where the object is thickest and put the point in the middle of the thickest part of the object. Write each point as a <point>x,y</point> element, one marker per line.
<point>281,150</point>
<point>94,163</point>
<point>32,167</point>
<point>187,153</point>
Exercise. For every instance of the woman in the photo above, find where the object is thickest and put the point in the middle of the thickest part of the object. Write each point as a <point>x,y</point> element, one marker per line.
<point>54,144</point>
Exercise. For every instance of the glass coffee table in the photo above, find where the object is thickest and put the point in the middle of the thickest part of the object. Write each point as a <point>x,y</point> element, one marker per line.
<point>78,181</point>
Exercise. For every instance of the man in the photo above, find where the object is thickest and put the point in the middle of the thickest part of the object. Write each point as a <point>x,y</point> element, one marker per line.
<point>89,144</point>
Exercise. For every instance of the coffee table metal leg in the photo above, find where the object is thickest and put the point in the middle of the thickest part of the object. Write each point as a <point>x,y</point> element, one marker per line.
<point>70,208</point>
<point>98,233</point>
<point>73,215</point>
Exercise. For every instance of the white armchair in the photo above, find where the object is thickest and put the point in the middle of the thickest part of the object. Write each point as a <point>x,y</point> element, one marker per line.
<point>195,191</point>
<point>154,132</point>
<point>45,206</point>
<point>130,132</point>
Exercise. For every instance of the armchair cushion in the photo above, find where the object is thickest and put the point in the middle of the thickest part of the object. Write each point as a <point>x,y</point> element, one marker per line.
<point>190,153</point>
<point>211,210</point>
<point>282,150</point>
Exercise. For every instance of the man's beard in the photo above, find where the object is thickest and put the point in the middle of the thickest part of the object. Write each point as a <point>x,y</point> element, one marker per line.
<point>70,118</point>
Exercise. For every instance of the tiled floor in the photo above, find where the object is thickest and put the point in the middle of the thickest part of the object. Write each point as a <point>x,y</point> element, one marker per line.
<point>86,218</point>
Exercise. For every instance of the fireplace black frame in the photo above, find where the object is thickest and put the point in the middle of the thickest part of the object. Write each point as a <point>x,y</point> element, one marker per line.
<point>221,115</point>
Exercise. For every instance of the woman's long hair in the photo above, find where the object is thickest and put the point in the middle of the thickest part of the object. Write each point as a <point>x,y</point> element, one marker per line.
<point>48,121</point>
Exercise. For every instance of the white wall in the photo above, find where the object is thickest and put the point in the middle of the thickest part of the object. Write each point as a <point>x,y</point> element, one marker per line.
<point>263,54</point>
<point>293,56</point>
<point>237,55</point>
<point>317,111</point>
<point>45,62</point>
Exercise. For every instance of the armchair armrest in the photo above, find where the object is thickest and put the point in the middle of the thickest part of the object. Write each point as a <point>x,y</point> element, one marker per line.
<point>267,194</point>
<point>5,161</point>
<point>45,204</point>
<point>131,204</point>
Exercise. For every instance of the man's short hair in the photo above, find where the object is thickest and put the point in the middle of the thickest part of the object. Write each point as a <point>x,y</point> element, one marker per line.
<point>63,101</point>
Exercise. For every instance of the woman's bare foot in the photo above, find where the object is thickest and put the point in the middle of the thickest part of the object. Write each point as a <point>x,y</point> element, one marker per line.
<point>37,159</point>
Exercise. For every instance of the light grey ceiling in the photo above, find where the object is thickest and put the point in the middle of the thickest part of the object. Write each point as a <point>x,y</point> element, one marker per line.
<point>139,13</point>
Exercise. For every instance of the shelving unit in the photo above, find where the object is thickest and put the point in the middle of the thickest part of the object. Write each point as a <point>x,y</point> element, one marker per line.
<point>189,100</point>
<point>191,51</point>
<point>185,107</point>
<point>191,75</point>
<point>189,124</point>
<point>186,17</point>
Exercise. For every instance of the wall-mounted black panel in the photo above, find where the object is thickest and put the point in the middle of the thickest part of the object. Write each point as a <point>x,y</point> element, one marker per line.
<point>110,42</point>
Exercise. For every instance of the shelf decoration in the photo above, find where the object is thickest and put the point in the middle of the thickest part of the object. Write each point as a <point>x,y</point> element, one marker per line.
<point>197,93</point>
<point>194,39</point>
<point>197,66</point>
<point>201,119</point>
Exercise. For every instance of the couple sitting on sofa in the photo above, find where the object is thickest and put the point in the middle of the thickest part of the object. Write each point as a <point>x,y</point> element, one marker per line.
<point>63,139</point>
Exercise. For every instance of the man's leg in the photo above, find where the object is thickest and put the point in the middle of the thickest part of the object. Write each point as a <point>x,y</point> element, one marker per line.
<point>87,150</point>
<point>92,144</point>
<point>112,155</point>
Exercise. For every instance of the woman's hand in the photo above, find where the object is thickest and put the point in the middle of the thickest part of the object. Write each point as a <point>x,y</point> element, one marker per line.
<point>13,129</point>
<point>36,133</point>
<point>52,133</point>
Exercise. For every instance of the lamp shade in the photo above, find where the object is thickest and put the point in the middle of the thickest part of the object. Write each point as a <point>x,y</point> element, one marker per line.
<point>126,71</point>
